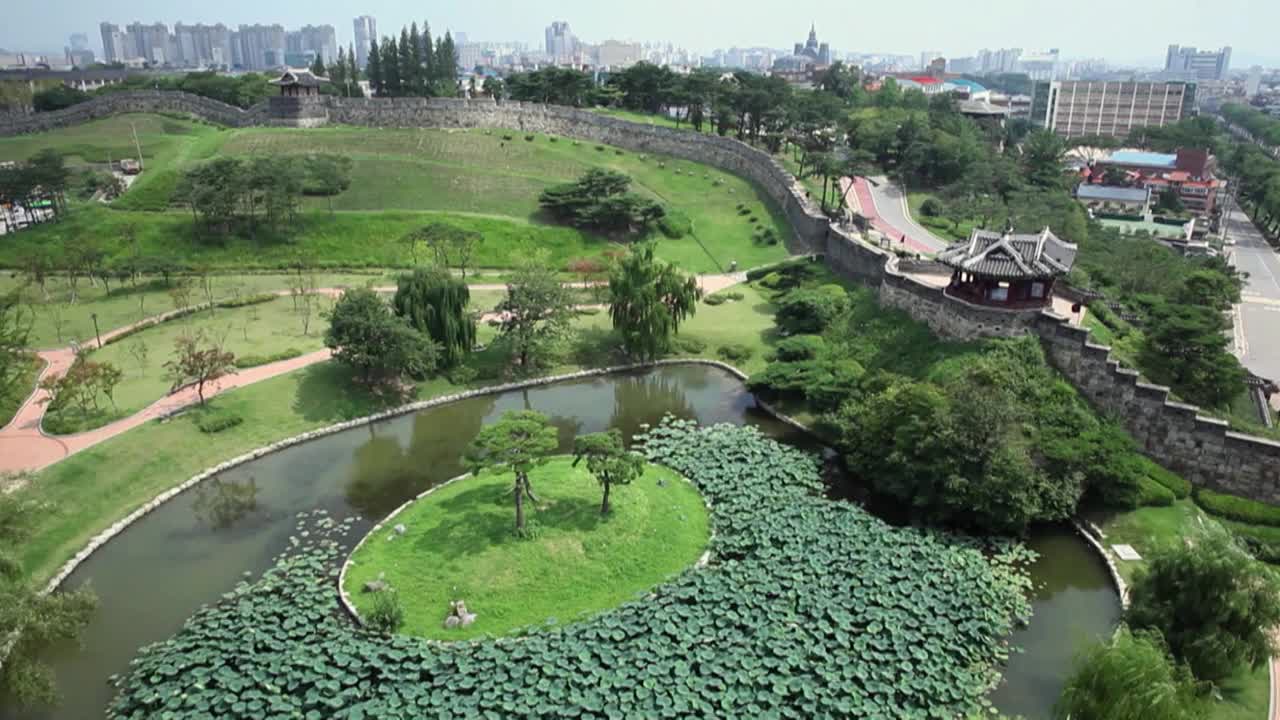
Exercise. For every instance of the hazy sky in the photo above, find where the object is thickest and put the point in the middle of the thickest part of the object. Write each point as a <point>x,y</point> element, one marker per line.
<point>1121,30</point>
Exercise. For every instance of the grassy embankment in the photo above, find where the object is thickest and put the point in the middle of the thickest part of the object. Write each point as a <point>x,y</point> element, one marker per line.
<point>401,180</point>
<point>458,544</point>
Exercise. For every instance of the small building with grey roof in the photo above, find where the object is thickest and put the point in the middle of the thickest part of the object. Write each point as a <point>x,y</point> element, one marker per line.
<point>1007,270</point>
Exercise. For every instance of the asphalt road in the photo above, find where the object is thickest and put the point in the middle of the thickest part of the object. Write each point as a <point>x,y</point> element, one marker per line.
<point>1258,315</point>
<point>892,207</point>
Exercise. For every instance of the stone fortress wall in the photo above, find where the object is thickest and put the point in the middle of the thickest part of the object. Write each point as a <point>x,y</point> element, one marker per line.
<point>1203,449</point>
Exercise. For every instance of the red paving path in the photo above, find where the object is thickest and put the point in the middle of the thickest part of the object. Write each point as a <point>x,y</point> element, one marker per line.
<point>866,203</point>
<point>24,446</point>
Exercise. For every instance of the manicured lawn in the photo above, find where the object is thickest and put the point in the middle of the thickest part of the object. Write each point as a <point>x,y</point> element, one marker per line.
<point>1151,529</point>
<point>403,179</point>
<point>341,240</point>
<point>260,330</point>
<point>459,544</point>
<point>127,304</point>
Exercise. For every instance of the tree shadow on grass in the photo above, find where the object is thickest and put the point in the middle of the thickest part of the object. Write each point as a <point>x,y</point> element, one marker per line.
<point>471,526</point>
<point>330,392</point>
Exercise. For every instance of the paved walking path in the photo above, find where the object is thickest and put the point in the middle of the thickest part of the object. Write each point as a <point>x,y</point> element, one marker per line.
<point>885,207</point>
<point>24,446</point>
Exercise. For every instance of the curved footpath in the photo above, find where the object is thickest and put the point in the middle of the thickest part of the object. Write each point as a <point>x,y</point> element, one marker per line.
<point>885,207</point>
<point>26,447</point>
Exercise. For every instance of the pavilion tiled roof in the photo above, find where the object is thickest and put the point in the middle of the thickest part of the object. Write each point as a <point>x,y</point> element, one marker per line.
<point>1010,256</point>
<point>305,78</point>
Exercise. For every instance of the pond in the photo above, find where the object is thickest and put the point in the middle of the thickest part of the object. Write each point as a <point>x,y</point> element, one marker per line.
<point>191,550</point>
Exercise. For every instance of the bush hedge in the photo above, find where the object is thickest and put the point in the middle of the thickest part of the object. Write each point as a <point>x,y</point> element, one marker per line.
<point>1152,493</point>
<point>675,224</point>
<point>211,420</point>
<point>1176,484</point>
<point>1233,507</point>
<point>248,361</point>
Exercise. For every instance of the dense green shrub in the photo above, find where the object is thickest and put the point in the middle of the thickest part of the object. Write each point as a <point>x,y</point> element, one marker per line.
<point>810,310</point>
<point>800,347</point>
<point>1213,604</point>
<point>690,345</point>
<point>1176,484</point>
<point>387,614</point>
<point>734,352</point>
<point>930,208</point>
<point>804,600</point>
<point>1153,494</point>
<point>215,420</point>
<point>714,300</point>
<point>675,224</point>
<point>255,299</point>
<point>248,361</point>
<point>1238,508</point>
<point>782,267</point>
<point>1129,677</point>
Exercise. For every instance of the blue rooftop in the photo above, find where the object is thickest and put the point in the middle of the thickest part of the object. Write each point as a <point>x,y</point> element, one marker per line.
<point>1149,159</point>
<point>965,82</point>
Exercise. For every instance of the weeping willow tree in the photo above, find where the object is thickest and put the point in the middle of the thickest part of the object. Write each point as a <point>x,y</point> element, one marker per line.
<point>1130,678</point>
<point>647,301</point>
<point>435,302</point>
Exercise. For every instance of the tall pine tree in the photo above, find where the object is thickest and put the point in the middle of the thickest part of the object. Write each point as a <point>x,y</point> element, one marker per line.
<point>353,73</point>
<point>447,66</point>
<point>338,72</point>
<point>428,59</point>
<point>405,58</point>
<point>375,70</point>
<point>419,80</point>
<point>317,67</point>
<point>391,68</point>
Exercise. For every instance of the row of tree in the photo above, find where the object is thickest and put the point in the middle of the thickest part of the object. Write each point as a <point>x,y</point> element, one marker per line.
<point>415,65</point>
<point>263,189</point>
<point>428,327</point>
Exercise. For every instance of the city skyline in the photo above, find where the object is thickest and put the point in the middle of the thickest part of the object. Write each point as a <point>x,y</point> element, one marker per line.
<point>1091,29</point>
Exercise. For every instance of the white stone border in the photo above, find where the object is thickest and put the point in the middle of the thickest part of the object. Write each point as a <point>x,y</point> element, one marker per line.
<point>703,560</point>
<point>1086,530</point>
<point>119,526</point>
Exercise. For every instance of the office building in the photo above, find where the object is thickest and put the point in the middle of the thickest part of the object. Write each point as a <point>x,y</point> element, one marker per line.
<point>929,56</point>
<point>1191,64</point>
<point>1253,83</point>
<point>366,30</point>
<point>561,44</point>
<point>1076,108</point>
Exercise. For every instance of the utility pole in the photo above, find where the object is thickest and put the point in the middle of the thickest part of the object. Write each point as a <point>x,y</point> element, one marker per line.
<point>137,145</point>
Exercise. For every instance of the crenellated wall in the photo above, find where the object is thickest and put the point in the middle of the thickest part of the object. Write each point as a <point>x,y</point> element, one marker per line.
<point>1203,449</point>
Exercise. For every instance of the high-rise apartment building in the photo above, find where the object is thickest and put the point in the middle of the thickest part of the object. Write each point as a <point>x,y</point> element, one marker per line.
<point>203,45</point>
<point>561,44</point>
<point>151,43</point>
<point>78,53</point>
<point>927,57</point>
<point>1195,64</point>
<point>262,47</point>
<point>366,29</point>
<point>117,45</point>
<point>1076,108</point>
<point>314,41</point>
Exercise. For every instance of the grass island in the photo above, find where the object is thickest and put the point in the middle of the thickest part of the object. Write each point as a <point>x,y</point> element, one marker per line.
<point>458,545</point>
